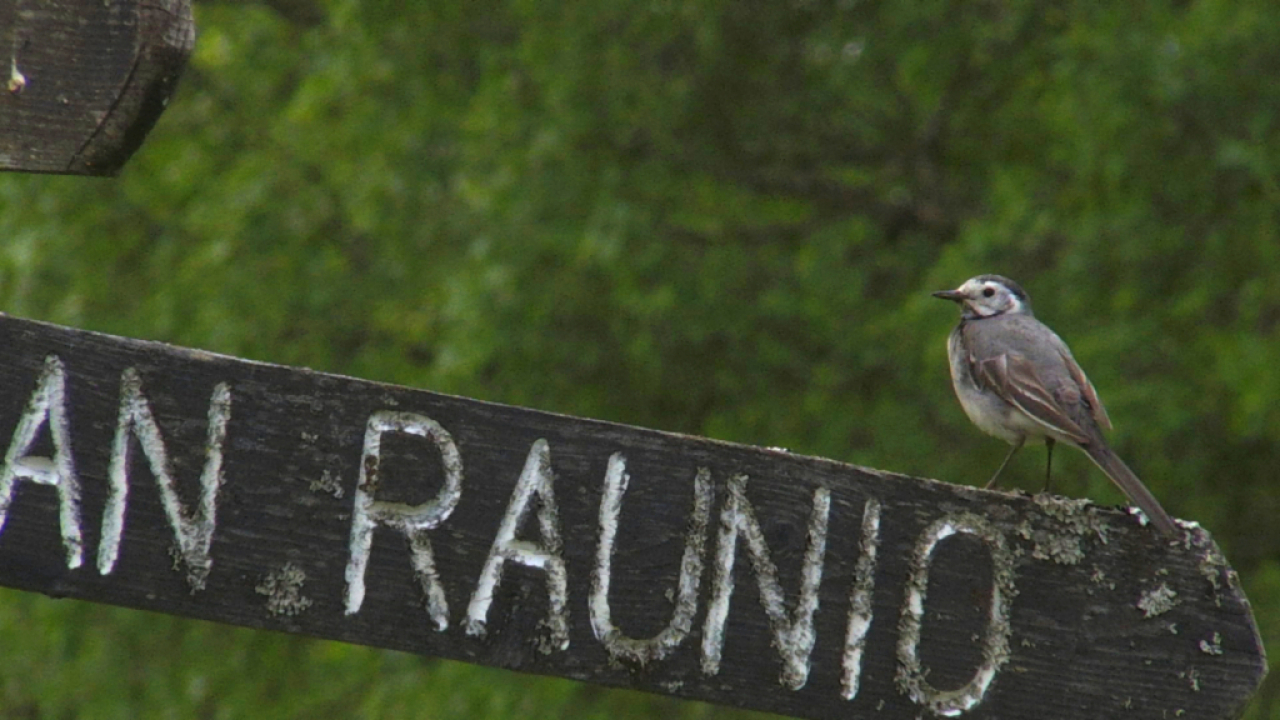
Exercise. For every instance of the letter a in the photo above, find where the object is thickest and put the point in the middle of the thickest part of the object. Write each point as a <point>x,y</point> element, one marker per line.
<point>47,405</point>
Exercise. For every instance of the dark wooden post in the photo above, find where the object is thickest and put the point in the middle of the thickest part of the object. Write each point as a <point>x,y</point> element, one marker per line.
<point>85,80</point>
<point>173,480</point>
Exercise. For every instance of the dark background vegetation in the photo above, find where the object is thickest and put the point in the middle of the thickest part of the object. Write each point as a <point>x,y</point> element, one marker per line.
<point>718,217</point>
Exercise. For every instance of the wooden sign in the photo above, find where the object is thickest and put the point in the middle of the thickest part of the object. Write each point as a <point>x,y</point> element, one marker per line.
<point>85,80</point>
<point>150,476</point>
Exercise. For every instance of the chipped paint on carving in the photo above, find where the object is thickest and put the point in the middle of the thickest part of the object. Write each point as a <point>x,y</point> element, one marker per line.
<point>413,521</point>
<point>17,81</point>
<point>669,638</point>
<point>793,636</point>
<point>283,589</point>
<point>855,641</point>
<point>48,405</point>
<point>193,530</point>
<point>535,479</point>
<point>911,677</point>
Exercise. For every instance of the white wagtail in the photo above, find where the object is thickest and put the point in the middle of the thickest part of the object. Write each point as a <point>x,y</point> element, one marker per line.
<point>1017,381</point>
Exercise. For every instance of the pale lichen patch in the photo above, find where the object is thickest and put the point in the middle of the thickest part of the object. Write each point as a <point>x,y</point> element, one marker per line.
<point>283,589</point>
<point>1212,646</point>
<point>327,483</point>
<point>1192,676</point>
<point>1158,600</point>
<point>1062,538</point>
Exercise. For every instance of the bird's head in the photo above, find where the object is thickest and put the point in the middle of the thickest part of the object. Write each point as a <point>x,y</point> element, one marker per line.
<point>988,296</point>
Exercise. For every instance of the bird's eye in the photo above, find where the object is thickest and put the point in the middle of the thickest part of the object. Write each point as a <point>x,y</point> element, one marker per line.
<point>988,291</point>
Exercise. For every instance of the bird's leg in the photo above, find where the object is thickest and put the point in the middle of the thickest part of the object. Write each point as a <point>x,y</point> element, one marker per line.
<point>1048,467</point>
<point>992,482</point>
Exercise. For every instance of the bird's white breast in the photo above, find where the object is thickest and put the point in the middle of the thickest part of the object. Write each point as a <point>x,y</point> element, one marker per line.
<point>986,409</point>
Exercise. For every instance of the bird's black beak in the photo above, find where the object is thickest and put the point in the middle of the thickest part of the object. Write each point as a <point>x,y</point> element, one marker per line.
<point>955,295</point>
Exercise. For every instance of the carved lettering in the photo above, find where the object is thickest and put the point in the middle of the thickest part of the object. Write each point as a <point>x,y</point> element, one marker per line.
<point>412,521</point>
<point>686,602</point>
<point>792,636</point>
<point>535,479</point>
<point>911,674</point>
<point>47,406</point>
<point>864,583</point>
<point>193,530</point>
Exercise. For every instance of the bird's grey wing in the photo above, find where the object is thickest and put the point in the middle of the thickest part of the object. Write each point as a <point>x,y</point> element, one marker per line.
<point>1013,377</point>
<point>1086,387</point>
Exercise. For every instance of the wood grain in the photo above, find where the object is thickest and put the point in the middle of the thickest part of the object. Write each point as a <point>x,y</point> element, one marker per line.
<point>1101,618</point>
<point>87,80</point>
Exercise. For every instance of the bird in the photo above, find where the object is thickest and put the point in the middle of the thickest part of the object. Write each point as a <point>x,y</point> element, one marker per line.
<point>1017,380</point>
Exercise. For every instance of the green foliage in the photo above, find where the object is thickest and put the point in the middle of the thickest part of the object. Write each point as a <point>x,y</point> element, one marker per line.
<point>713,217</point>
<point>81,660</point>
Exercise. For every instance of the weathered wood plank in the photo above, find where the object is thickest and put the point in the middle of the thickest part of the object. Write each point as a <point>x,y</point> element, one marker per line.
<point>368,513</point>
<point>86,80</point>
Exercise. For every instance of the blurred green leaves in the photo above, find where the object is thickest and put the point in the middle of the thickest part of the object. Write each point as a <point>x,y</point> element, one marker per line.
<point>720,218</point>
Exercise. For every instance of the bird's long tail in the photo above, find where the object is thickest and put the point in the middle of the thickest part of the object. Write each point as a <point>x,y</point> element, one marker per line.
<point>1138,494</point>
